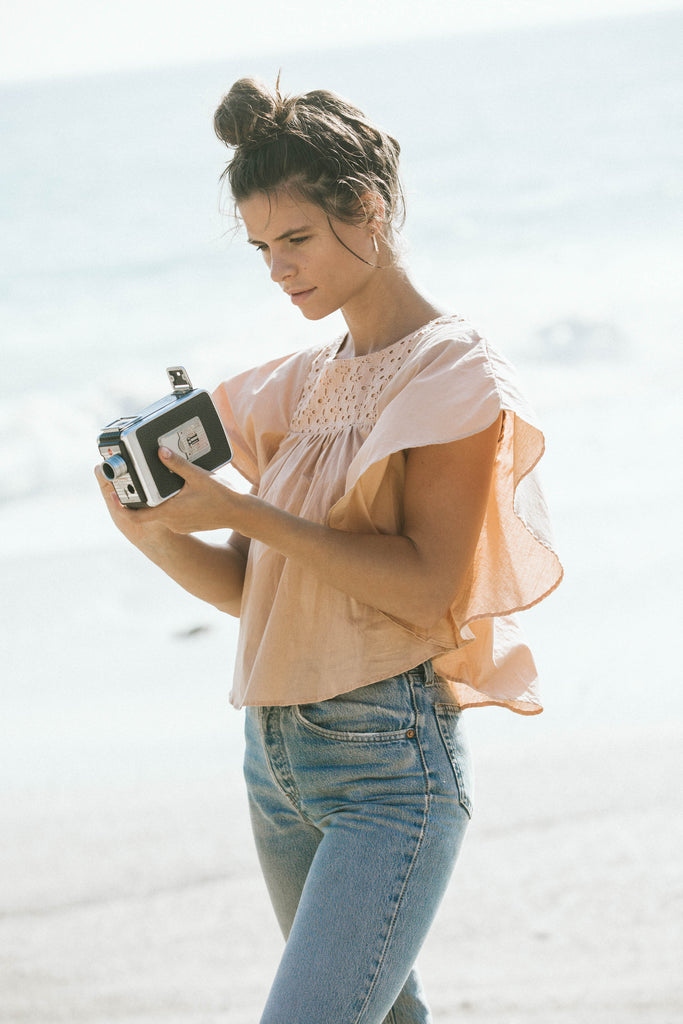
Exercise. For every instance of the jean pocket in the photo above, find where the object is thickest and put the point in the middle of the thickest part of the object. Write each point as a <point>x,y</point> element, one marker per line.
<point>449,720</point>
<point>380,712</point>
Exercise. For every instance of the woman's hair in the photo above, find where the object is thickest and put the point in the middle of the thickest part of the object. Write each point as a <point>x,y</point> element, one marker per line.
<point>316,143</point>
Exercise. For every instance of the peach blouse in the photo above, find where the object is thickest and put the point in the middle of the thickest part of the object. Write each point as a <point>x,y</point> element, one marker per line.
<point>326,439</point>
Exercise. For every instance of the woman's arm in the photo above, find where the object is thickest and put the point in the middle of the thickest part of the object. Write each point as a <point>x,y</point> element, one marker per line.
<point>214,574</point>
<point>415,576</point>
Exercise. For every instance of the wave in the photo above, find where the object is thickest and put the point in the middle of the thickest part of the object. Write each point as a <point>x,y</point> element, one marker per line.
<point>48,438</point>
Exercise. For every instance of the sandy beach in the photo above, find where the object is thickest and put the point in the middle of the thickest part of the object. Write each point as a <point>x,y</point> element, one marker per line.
<point>129,887</point>
<point>146,904</point>
<point>548,211</point>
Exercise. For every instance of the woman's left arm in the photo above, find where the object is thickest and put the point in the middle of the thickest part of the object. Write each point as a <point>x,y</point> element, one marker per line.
<point>415,575</point>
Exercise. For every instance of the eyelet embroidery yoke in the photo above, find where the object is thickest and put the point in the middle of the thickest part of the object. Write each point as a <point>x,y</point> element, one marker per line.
<point>342,393</point>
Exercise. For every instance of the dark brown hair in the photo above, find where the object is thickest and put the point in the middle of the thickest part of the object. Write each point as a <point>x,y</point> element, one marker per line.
<point>317,143</point>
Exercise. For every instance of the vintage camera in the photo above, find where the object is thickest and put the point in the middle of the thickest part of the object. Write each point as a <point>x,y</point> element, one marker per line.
<point>186,421</point>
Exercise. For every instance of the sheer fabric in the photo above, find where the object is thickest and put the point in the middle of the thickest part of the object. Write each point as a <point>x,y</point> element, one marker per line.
<point>325,438</point>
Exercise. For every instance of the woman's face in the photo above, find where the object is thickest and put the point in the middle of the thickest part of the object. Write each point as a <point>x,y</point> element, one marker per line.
<point>315,260</point>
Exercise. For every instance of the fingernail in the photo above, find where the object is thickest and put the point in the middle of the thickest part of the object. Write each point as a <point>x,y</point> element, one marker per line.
<point>165,453</point>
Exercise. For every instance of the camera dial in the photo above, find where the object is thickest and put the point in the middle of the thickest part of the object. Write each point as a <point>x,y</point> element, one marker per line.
<point>114,467</point>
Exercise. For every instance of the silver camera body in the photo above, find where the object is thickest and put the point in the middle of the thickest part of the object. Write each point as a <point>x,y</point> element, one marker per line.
<point>186,421</point>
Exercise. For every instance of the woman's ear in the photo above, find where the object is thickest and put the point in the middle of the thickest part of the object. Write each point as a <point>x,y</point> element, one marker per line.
<point>374,209</point>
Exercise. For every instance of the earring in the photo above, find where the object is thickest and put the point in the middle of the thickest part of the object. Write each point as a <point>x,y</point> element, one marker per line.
<point>374,244</point>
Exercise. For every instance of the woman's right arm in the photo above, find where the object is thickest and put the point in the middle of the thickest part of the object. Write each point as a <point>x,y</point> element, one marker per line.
<point>214,574</point>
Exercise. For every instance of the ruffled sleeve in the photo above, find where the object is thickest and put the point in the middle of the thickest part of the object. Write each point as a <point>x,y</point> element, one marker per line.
<point>256,407</point>
<point>452,388</point>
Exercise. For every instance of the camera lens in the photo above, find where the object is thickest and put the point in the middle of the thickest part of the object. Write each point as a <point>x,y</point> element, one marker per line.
<point>114,467</point>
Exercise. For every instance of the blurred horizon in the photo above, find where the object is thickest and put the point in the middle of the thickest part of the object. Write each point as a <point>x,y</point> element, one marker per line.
<point>78,39</point>
<point>544,205</point>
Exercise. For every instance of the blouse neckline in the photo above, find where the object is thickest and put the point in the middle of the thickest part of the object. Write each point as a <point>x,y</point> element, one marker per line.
<point>413,336</point>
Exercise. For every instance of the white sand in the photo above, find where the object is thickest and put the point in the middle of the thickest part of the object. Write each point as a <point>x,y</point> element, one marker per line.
<point>146,904</point>
<point>128,884</point>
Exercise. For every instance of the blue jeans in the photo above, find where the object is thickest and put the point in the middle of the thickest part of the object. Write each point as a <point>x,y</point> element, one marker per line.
<point>359,806</point>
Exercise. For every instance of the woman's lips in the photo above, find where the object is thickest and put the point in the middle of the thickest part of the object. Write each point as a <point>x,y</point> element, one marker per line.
<point>299,297</point>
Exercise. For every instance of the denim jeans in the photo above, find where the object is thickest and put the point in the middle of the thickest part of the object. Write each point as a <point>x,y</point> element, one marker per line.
<point>359,806</point>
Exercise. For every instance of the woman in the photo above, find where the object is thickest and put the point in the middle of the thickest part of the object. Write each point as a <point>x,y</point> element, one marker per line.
<point>392,530</point>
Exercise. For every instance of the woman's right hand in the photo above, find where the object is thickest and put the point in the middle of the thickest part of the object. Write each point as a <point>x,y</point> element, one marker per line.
<point>143,534</point>
<point>214,574</point>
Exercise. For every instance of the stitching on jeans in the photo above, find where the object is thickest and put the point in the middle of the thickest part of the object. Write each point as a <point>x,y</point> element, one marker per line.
<point>393,736</point>
<point>443,712</point>
<point>418,847</point>
<point>279,771</point>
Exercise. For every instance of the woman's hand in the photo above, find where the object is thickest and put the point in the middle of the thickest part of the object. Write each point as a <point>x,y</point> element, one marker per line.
<point>145,535</point>
<point>213,573</point>
<point>203,503</point>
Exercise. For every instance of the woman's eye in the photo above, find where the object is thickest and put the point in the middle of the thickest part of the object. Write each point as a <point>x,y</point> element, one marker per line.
<point>299,240</point>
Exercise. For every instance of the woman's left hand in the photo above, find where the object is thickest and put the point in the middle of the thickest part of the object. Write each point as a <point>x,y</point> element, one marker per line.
<point>203,503</point>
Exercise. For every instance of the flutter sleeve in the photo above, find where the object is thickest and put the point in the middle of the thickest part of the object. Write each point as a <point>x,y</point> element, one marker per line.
<point>452,388</point>
<point>256,407</point>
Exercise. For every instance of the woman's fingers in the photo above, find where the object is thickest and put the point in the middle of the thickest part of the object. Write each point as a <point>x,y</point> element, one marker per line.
<point>200,504</point>
<point>179,464</point>
<point>106,487</point>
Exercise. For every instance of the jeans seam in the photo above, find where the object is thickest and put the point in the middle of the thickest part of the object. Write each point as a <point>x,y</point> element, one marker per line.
<point>288,789</point>
<point>452,754</point>
<point>413,859</point>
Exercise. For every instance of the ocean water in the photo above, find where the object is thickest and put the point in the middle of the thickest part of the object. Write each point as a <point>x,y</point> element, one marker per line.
<point>542,172</point>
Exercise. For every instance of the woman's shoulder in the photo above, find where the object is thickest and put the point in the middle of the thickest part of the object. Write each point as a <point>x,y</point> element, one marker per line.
<point>257,404</point>
<point>283,372</point>
<point>450,334</point>
<point>452,345</point>
<point>451,368</point>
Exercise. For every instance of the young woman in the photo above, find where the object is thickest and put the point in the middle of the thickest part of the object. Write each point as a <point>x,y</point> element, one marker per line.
<point>392,530</point>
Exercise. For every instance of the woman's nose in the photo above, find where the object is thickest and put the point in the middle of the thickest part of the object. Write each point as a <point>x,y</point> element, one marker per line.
<point>280,267</point>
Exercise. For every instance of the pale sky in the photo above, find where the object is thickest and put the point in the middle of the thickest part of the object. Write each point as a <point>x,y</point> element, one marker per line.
<point>47,38</point>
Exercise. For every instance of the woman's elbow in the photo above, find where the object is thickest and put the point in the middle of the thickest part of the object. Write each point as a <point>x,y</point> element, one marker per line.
<point>233,607</point>
<point>432,602</point>
<point>427,610</point>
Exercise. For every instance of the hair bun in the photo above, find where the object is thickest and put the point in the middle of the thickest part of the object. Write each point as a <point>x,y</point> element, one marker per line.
<point>317,143</point>
<point>248,115</point>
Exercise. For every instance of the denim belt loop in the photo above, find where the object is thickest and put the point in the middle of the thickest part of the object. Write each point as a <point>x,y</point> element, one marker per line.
<point>428,673</point>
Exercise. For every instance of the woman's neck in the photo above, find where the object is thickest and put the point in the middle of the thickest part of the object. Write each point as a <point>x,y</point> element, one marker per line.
<point>389,311</point>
